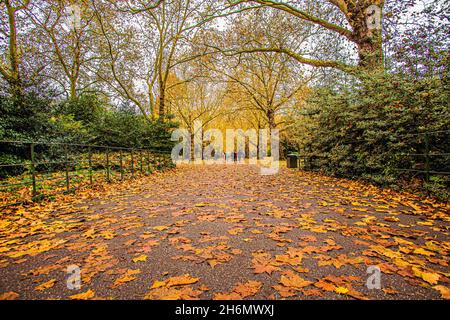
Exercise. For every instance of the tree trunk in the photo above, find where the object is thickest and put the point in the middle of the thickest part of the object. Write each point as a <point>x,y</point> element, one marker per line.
<point>272,125</point>
<point>271,120</point>
<point>14,80</point>
<point>73,90</point>
<point>367,34</point>
<point>162,100</point>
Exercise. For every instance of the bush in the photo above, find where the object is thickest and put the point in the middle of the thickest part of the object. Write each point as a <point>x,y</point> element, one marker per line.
<point>367,131</point>
<point>87,120</point>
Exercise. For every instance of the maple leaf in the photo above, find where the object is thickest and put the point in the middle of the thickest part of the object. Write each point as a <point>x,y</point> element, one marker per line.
<point>289,259</point>
<point>325,285</point>
<point>240,291</point>
<point>248,289</point>
<point>181,280</point>
<point>200,205</point>
<point>161,228</point>
<point>158,284</point>
<point>84,295</point>
<point>284,292</point>
<point>46,285</point>
<point>424,252</point>
<point>127,277</point>
<point>11,295</point>
<point>175,288</point>
<point>262,263</point>
<point>173,293</point>
<point>227,296</point>
<point>430,277</point>
<point>312,292</point>
<point>175,281</point>
<point>389,291</point>
<point>341,290</point>
<point>292,280</point>
<point>141,258</point>
<point>445,292</point>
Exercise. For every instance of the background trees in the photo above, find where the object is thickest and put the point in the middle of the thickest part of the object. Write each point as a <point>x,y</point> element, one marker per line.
<point>316,70</point>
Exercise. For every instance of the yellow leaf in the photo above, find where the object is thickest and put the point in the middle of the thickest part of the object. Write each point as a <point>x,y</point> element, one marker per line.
<point>46,285</point>
<point>161,228</point>
<point>292,280</point>
<point>181,280</point>
<point>127,277</point>
<point>158,284</point>
<point>200,204</point>
<point>341,290</point>
<point>445,292</point>
<point>9,296</point>
<point>83,296</point>
<point>423,252</point>
<point>431,278</point>
<point>141,258</point>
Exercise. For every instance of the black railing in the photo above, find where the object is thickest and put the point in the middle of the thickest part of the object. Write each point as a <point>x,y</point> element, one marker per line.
<point>429,153</point>
<point>33,170</point>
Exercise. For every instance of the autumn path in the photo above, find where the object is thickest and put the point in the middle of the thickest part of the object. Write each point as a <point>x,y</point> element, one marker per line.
<point>237,234</point>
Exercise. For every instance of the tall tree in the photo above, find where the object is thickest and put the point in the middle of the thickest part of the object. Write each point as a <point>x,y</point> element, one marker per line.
<point>67,35</point>
<point>268,80</point>
<point>162,32</point>
<point>357,21</point>
<point>10,64</point>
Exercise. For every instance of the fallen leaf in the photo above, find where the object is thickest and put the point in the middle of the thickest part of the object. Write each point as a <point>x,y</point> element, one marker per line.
<point>83,296</point>
<point>141,258</point>
<point>46,285</point>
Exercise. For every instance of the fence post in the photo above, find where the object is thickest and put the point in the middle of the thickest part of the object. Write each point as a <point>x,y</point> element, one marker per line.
<point>121,164</point>
<point>90,164</point>
<point>107,165</point>
<point>67,168</point>
<point>148,161</point>
<point>132,162</point>
<point>427,158</point>
<point>33,170</point>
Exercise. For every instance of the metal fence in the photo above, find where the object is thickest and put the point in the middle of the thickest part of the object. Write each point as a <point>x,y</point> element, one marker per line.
<point>30,171</point>
<point>429,153</point>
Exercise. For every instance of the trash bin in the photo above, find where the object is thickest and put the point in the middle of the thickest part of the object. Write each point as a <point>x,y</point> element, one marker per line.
<point>292,161</point>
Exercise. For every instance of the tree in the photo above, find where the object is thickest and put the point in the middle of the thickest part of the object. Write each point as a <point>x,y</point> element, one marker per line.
<point>10,65</point>
<point>199,101</point>
<point>161,32</point>
<point>361,27</point>
<point>417,42</point>
<point>267,80</point>
<point>70,40</point>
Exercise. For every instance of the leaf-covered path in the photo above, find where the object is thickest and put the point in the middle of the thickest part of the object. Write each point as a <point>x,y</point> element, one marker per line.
<point>226,232</point>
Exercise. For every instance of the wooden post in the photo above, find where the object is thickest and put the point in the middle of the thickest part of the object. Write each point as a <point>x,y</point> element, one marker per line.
<point>427,158</point>
<point>132,163</point>
<point>90,164</point>
<point>140,153</point>
<point>33,170</point>
<point>107,165</point>
<point>121,164</point>
<point>67,168</point>
<point>148,161</point>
